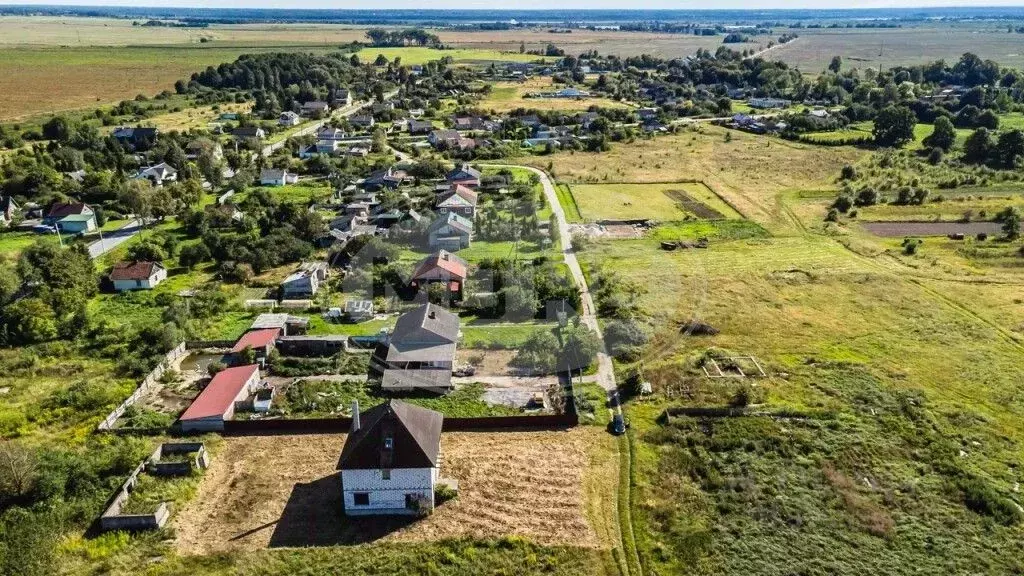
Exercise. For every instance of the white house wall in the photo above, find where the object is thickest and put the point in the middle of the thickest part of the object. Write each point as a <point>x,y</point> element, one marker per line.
<point>387,496</point>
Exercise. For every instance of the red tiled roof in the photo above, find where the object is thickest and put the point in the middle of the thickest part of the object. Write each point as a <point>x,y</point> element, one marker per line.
<point>444,261</point>
<point>133,270</point>
<point>256,339</point>
<point>220,393</point>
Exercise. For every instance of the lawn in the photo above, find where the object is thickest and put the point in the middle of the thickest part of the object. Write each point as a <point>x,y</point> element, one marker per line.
<point>507,96</point>
<point>304,192</point>
<point>660,201</point>
<point>13,242</point>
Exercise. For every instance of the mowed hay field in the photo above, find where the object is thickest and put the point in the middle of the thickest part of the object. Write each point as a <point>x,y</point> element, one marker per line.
<point>273,491</point>
<point>654,201</point>
<point>751,172</point>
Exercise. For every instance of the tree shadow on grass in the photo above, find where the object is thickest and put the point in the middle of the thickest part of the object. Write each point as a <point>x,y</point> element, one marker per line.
<point>314,516</point>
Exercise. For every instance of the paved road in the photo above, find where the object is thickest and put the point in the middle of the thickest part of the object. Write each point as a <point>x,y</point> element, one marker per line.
<point>605,369</point>
<point>114,238</point>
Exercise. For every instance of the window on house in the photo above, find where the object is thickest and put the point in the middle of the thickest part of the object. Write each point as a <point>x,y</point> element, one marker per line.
<point>389,443</point>
<point>386,474</point>
<point>361,498</point>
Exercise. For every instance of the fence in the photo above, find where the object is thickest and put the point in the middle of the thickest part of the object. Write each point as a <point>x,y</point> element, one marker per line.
<point>198,460</point>
<point>147,383</point>
<point>338,425</point>
<point>112,519</point>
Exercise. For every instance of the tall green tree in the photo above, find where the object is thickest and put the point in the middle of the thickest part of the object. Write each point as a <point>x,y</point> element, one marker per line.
<point>894,126</point>
<point>943,136</point>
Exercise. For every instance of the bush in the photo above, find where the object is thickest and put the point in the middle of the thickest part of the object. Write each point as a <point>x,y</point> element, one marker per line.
<point>910,246</point>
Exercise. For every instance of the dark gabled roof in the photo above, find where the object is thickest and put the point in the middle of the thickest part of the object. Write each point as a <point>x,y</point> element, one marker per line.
<point>426,324</point>
<point>415,438</point>
<point>62,209</point>
<point>463,172</point>
<point>455,221</point>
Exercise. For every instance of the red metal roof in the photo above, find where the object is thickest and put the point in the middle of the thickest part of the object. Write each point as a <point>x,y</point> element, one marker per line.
<point>256,338</point>
<point>133,270</point>
<point>445,261</point>
<point>220,393</point>
<point>62,209</point>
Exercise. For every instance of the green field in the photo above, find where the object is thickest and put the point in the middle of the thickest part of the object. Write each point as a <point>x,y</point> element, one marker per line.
<point>416,55</point>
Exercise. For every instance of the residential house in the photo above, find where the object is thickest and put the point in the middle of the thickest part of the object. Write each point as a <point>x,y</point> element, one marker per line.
<point>327,133</point>
<point>444,138</point>
<point>137,275</point>
<point>380,107</point>
<point>390,461</point>
<point>159,174</point>
<point>244,132</point>
<point>420,351</point>
<point>357,151</point>
<point>327,146</point>
<point>315,108</point>
<point>71,217</point>
<point>289,118</point>
<point>390,178</point>
<point>304,282</point>
<point>260,341</point>
<point>450,232</point>
<point>136,138</point>
<point>342,98</point>
<point>442,266</point>
<point>364,121</point>
<point>8,210</point>
<point>587,118</point>
<point>200,145</point>
<point>420,126</point>
<point>277,177</point>
<point>464,175</point>
<point>459,200</point>
<point>76,176</point>
<point>216,403</point>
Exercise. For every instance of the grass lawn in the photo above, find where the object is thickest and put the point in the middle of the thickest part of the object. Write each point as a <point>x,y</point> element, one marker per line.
<point>500,336</point>
<point>568,201</point>
<point>304,192</point>
<point>507,96</point>
<point>198,117</point>
<point>13,242</point>
<point>628,201</point>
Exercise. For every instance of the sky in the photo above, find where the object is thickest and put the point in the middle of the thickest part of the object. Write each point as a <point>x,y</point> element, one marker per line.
<point>530,4</point>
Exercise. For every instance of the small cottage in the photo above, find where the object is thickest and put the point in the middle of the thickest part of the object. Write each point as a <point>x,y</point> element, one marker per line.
<point>459,200</point>
<point>390,461</point>
<point>276,177</point>
<point>137,275</point>
<point>450,232</point>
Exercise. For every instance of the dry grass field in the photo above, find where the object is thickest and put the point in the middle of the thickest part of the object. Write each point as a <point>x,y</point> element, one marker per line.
<point>866,48</point>
<point>751,172</point>
<point>45,80</point>
<point>656,201</point>
<point>68,31</point>
<point>274,491</point>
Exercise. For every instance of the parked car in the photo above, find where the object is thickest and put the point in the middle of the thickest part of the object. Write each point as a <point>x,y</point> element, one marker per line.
<point>618,425</point>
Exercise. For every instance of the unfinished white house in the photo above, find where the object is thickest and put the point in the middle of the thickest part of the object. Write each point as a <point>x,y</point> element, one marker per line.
<point>389,464</point>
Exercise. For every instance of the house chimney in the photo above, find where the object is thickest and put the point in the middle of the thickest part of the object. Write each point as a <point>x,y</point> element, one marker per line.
<point>355,416</point>
<point>432,315</point>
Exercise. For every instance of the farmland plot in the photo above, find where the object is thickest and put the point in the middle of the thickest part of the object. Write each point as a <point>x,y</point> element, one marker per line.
<point>271,491</point>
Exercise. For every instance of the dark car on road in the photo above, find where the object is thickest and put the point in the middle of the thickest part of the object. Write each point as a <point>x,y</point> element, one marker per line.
<point>618,425</point>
